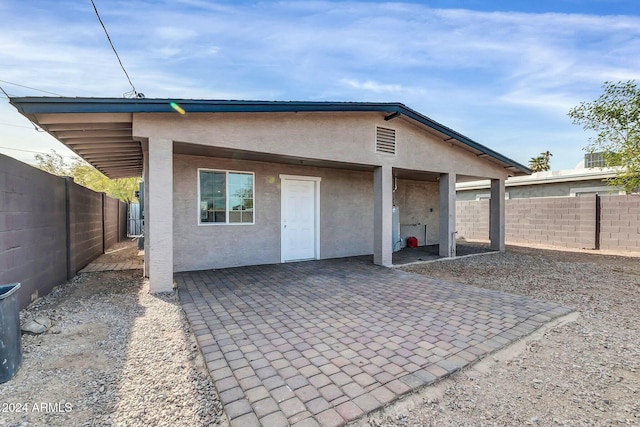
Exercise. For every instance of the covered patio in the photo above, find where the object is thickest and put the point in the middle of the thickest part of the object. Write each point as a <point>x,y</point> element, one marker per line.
<point>322,343</point>
<point>425,253</point>
<point>319,179</point>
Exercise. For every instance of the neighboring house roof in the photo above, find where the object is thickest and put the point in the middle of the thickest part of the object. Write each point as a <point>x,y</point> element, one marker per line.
<point>547,177</point>
<point>119,155</point>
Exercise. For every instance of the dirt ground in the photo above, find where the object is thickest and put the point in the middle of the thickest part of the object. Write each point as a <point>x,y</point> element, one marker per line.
<point>121,252</point>
<point>115,355</point>
<point>120,356</point>
<point>583,373</point>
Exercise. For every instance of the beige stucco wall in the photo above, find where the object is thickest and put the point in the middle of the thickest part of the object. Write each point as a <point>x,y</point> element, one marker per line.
<point>347,196</point>
<point>346,215</point>
<point>345,137</point>
<point>419,206</point>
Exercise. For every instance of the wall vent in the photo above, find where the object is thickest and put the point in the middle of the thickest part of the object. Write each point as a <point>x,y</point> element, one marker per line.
<point>385,140</point>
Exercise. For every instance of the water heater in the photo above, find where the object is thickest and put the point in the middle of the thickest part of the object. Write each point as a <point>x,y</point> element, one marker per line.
<point>396,240</point>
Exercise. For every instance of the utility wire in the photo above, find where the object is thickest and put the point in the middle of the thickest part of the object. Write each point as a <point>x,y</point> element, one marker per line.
<point>133,92</point>
<point>27,87</point>
<point>37,152</point>
<point>35,126</point>
<point>15,126</point>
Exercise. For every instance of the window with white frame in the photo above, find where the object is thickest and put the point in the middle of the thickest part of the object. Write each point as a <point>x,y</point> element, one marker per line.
<point>225,197</point>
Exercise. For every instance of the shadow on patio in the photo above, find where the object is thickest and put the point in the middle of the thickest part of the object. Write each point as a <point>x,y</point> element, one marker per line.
<point>431,252</point>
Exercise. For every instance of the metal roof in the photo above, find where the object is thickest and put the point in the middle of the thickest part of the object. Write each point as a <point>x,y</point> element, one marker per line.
<point>100,129</point>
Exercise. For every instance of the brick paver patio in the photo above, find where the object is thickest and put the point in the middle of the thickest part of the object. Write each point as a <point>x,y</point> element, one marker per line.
<point>116,266</point>
<point>322,343</point>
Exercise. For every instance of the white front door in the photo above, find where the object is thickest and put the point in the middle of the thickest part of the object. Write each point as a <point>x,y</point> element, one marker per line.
<point>299,222</point>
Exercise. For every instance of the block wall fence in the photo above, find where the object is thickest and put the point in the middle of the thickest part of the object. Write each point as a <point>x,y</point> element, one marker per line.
<point>586,222</point>
<point>50,228</point>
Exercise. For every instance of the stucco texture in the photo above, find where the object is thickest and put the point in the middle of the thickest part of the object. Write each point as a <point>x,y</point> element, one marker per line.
<point>342,137</point>
<point>346,215</point>
<point>419,208</point>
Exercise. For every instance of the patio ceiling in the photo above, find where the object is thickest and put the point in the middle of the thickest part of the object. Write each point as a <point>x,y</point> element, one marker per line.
<point>103,139</point>
<point>100,129</point>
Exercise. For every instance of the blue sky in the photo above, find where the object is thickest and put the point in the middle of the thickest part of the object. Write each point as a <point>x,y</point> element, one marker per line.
<point>504,73</point>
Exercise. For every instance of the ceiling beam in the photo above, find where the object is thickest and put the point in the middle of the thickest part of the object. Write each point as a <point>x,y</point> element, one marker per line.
<point>97,140</point>
<point>119,161</point>
<point>129,153</point>
<point>92,133</point>
<point>126,171</point>
<point>89,126</point>
<point>101,157</point>
<point>106,148</point>
<point>61,118</point>
<point>127,168</point>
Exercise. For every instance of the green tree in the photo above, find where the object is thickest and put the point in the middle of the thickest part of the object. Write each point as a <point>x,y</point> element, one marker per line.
<point>615,117</point>
<point>86,175</point>
<point>540,163</point>
<point>53,163</point>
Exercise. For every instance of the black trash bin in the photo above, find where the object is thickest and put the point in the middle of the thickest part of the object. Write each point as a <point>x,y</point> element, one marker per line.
<point>10,338</point>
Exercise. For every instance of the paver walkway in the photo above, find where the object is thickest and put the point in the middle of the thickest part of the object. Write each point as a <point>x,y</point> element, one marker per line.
<point>117,266</point>
<point>105,262</point>
<point>325,342</point>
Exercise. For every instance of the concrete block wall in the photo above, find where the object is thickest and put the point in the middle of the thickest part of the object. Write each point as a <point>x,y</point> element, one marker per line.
<point>32,229</point>
<point>37,248</point>
<point>123,211</point>
<point>111,221</point>
<point>620,223</point>
<point>563,221</point>
<point>85,213</point>
<point>472,220</point>
<point>571,222</point>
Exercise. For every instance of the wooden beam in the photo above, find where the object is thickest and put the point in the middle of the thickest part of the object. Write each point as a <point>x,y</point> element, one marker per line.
<point>93,133</point>
<point>70,118</point>
<point>88,126</point>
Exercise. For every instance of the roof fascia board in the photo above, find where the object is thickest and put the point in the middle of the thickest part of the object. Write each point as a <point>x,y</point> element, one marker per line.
<point>482,185</point>
<point>30,106</point>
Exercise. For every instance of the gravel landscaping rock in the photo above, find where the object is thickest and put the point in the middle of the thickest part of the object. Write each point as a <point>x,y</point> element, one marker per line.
<point>115,356</point>
<point>584,373</point>
<point>39,325</point>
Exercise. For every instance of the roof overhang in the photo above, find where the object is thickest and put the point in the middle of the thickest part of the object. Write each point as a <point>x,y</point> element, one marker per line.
<point>100,129</point>
<point>547,177</point>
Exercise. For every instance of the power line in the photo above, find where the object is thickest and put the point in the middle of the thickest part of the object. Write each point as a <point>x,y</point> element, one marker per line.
<point>133,92</point>
<point>16,126</point>
<point>36,152</point>
<point>27,87</point>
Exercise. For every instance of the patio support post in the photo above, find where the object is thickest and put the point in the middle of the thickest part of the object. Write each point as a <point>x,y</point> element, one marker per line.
<point>496,215</point>
<point>159,215</point>
<point>145,203</point>
<point>447,215</point>
<point>382,215</point>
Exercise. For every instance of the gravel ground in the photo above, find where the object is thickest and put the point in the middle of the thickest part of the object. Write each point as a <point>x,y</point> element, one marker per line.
<point>583,373</point>
<point>116,355</point>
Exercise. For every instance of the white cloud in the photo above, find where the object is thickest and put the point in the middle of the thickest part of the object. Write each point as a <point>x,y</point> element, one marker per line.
<point>465,68</point>
<point>373,86</point>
